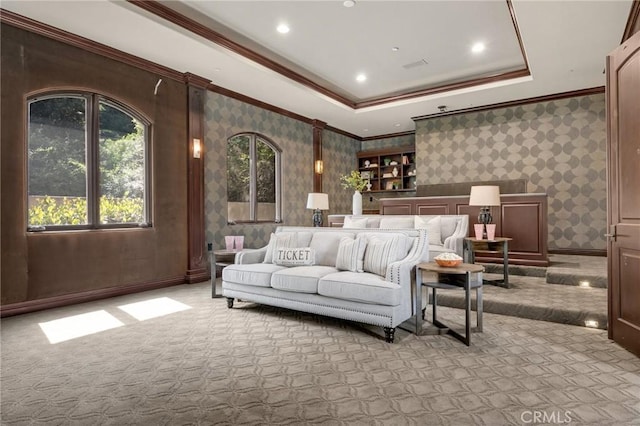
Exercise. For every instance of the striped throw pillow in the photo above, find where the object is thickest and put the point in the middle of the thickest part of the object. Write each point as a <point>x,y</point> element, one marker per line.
<point>380,253</point>
<point>351,254</point>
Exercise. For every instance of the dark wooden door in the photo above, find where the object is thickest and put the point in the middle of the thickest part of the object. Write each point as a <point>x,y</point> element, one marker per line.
<point>623,197</point>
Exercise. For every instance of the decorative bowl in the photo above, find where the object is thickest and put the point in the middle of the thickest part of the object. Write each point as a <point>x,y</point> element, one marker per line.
<point>448,263</point>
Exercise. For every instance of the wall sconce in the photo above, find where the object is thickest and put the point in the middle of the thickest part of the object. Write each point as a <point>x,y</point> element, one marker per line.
<point>319,167</point>
<point>197,148</point>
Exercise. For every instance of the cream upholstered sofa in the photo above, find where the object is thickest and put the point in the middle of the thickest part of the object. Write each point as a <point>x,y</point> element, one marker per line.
<point>446,233</point>
<point>362,275</point>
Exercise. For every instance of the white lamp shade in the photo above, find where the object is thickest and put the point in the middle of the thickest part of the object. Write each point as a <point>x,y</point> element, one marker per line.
<point>484,196</point>
<point>318,200</point>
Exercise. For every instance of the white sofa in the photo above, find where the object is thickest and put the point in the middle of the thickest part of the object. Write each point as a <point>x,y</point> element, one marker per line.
<point>446,233</point>
<point>361,275</point>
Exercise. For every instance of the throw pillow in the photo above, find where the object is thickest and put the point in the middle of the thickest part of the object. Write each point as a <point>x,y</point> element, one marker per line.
<point>294,256</point>
<point>355,223</point>
<point>283,239</point>
<point>351,254</point>
<point>326,246</point>
<point>380,253</point>
<point>433,229</point>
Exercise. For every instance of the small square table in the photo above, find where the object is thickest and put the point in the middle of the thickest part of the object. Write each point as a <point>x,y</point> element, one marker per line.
<point>221,258</point>
<point>497,245</point>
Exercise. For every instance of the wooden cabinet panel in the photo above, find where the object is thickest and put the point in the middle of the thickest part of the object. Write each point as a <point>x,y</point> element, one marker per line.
<point>516,219</point>
<point>433,209</point>
<point>396,208</point>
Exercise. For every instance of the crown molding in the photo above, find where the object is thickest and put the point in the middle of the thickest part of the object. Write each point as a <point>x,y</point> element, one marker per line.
<point>546,98</point>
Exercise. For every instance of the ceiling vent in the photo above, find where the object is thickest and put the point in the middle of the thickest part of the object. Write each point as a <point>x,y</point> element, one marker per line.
<point>415,64</point>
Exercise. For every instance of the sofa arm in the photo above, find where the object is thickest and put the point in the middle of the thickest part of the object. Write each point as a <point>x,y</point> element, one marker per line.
<point>399,272</point>
<point>455,241</point>
<point>251,256</point>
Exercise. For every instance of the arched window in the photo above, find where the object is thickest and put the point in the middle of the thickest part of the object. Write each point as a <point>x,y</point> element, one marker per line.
<point>253,179</point>
<point>87,163</point>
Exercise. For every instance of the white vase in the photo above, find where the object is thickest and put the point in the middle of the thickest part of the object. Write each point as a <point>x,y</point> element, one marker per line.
<point>357,203</point>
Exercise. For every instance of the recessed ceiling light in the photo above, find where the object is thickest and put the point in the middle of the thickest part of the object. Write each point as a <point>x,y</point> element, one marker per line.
<point>361,78</point>
<point>395,48</point>
<point>348,3</point>
<point>478,47</point>
<point>283,28</point>
<point>397,124</point>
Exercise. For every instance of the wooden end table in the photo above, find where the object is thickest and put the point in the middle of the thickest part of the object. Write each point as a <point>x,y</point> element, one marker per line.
<point>465,269</point>
<point>497,245</point>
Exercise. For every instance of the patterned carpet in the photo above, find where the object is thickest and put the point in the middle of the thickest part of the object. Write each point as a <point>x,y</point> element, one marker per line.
<point>255,365</point>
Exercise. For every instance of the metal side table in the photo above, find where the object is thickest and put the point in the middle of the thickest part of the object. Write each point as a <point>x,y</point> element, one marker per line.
<point>220,259</point>
<point>499,245</point>
<point>447,280</point>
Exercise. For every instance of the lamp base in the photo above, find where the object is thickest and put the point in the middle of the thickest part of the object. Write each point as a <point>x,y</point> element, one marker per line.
<point>317,217</point>
<point>484,217</point>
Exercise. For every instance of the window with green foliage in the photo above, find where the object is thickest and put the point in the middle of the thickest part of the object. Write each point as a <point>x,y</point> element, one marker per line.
<point>253,179</point>
<point>87,163</point>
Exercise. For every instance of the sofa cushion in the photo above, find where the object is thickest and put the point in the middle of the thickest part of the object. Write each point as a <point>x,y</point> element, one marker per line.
<point>350,255</point>
<point>301,279</point>
<point>326,245</point>
<point>257,274</point>
<point>355,222</point>
<point>396,222</point>
<point>360,287</point>
<point>432,225</point>
<point>380,252</point>
<point>286,240</point>
<point>294,256</point>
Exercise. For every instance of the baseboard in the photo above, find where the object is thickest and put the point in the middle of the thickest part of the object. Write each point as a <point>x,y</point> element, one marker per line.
<point>579,252</point>
<point>85,296</point>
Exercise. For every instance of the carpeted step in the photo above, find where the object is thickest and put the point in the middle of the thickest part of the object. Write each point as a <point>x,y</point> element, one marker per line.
<point>522,270</point>
<point>533,298</point>
<point>541,313</point>
<point>559,272</point>
<point>558,276</point>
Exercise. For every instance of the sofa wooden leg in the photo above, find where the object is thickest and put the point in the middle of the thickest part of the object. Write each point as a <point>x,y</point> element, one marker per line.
<point>389,334</point>
<point>229,302</point>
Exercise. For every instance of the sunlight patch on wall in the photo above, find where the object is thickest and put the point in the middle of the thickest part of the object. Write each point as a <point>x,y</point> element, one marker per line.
<point>76,326</point>
<point>153,308</point>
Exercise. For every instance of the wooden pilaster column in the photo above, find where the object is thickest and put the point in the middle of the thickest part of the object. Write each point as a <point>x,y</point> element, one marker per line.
<point>197,270</point>
<point>318,127</point>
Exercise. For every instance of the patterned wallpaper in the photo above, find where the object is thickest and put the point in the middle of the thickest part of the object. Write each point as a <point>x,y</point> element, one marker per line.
<point>225,117</point>
<point>558,146</point>
<point>339,156</point>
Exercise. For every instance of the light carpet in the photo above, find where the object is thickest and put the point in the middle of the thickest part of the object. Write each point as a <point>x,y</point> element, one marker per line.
<point>258,365</point>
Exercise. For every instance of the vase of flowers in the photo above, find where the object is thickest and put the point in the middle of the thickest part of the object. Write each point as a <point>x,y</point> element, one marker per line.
<point>356,182</point>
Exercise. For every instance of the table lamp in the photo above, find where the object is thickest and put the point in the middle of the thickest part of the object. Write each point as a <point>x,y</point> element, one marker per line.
<point>317,201</point>
<point>484,196</point>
